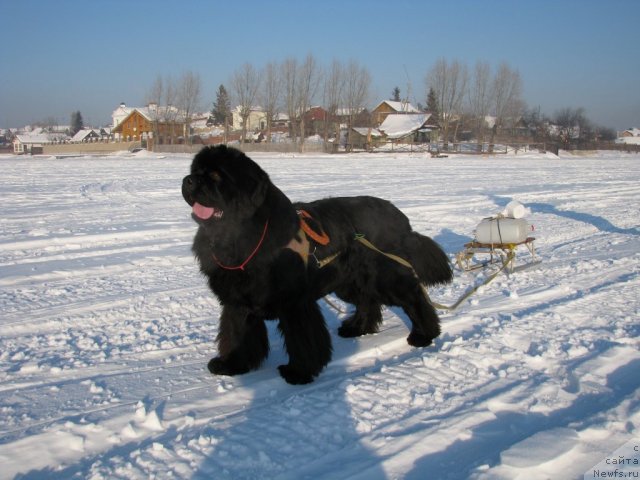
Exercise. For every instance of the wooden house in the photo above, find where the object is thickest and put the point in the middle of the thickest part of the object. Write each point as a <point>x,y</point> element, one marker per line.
<point>388,107</point>
<point>409,128</point>
<point>153,124</point>
<point>365,138</point>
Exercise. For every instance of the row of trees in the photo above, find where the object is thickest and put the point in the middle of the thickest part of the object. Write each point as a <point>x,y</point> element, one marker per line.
<point>175,100</point>
<point>460,98</point>
<point>455,93</point>
<point>463,98</point>
<point>294,86</point>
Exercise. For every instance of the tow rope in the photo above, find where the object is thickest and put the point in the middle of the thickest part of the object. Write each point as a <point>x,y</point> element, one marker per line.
<point>505,263</point>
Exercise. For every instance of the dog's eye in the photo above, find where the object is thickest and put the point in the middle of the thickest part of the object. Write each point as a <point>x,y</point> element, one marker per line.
<point>215,176</point>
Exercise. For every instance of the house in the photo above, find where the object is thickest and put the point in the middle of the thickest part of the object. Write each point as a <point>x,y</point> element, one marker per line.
<point>120,113</point>
<point>162,125</point>
<point>388,107</point>
<point>315,121</point>
<point>86,135</point>
<point>32,144</point>
<point>256,121</point>
<point>362,137</point>
<point>408,127</point>
<point>630,136</point>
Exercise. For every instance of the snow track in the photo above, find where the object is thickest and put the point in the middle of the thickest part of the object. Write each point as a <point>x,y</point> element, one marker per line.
<point>106,329</point>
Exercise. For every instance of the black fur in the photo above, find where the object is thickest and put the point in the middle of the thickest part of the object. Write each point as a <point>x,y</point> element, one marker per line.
<point>251,226</point>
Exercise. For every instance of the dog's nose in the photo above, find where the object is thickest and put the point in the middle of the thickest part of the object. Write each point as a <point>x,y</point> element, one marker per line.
<point>188,183</point>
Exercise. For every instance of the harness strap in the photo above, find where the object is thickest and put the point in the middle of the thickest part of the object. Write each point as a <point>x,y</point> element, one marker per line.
<point>508,259</point>
<point>321,238</point>
<point>325,261</point>
<point>362,239</point>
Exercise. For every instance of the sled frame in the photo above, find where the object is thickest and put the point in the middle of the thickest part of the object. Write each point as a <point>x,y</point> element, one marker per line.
<point>499,253</point>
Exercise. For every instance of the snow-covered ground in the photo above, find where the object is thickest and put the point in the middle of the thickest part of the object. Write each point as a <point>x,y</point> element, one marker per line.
<point>106,328</point>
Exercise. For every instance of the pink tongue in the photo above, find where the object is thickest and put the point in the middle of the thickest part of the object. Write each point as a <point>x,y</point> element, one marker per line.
<point>202,212</point>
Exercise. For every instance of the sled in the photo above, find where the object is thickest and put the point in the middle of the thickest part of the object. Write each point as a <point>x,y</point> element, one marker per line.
<point>478,255</point>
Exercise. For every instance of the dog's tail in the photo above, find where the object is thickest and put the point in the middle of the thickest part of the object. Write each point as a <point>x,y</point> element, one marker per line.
<point>428,259</point>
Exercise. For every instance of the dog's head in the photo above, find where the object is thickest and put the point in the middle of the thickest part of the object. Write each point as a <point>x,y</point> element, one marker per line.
<point>224,184</point>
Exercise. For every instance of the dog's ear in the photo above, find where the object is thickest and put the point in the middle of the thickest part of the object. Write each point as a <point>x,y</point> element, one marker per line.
<point>261,187</point>
<point>251,179</point>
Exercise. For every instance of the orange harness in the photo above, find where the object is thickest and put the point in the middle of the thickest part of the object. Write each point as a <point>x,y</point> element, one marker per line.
<point>321,238</point>
<point>301,245</point>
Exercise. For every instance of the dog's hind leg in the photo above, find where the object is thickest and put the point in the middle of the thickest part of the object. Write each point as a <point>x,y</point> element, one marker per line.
<point>405,291</point>
<point>306,339</point>
<point>424,318</point>
<point>243,343</point>
<point>365,320</point>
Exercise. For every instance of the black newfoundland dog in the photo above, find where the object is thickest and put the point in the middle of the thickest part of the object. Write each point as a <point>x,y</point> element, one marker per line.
<point>268,258</point>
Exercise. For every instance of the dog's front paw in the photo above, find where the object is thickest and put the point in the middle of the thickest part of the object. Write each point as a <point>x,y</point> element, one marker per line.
<point>418,339</point>
<point>219,366</point>
<point>347,330</point>
<point>294,377</point>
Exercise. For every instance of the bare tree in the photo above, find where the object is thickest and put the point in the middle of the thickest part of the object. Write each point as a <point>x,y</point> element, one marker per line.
<point>309,77</point>
<point>155,97</point>
<point>156,92</point>
<point>507,97</point>
<point>480,97</point>
<point>573,125</point>
<point>332,96</point>
<point>271,92</point>
<point>245,83</point>
<point>449,82</point>
<point>290,84</point>
<point>356,91</point>
<point>168,113</point>
<point>188,96</point>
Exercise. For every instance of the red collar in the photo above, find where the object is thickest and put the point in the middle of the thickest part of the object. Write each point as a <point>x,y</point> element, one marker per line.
<point>248,259</point>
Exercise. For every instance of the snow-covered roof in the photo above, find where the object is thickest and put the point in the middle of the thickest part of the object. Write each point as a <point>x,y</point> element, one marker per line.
<point>343,112</point>
<point>400,107</point>
<point>254,108</point>
<point>154,113</point>
<point>365,131</point>
<point>633,132</point>
<point>401,125</point>
<point>33,139</point>
<point>83,134</point>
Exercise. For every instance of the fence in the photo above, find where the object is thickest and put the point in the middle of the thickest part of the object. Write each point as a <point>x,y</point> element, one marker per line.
<point>280,147</point>
<point>439,148</point>
<point>88,148</point>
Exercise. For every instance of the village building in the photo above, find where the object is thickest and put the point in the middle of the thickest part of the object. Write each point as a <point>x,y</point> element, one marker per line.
<point>365,138</point>
<point>630,136</point>
<point>256,121</point>
<point>33,144</point>
<point>86,135</point>
<point>409,128</point>
<point>151,124</point>
<point>389,107</point>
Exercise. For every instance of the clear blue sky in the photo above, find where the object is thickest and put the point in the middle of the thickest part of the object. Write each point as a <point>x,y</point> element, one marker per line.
<point>59,56</point>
